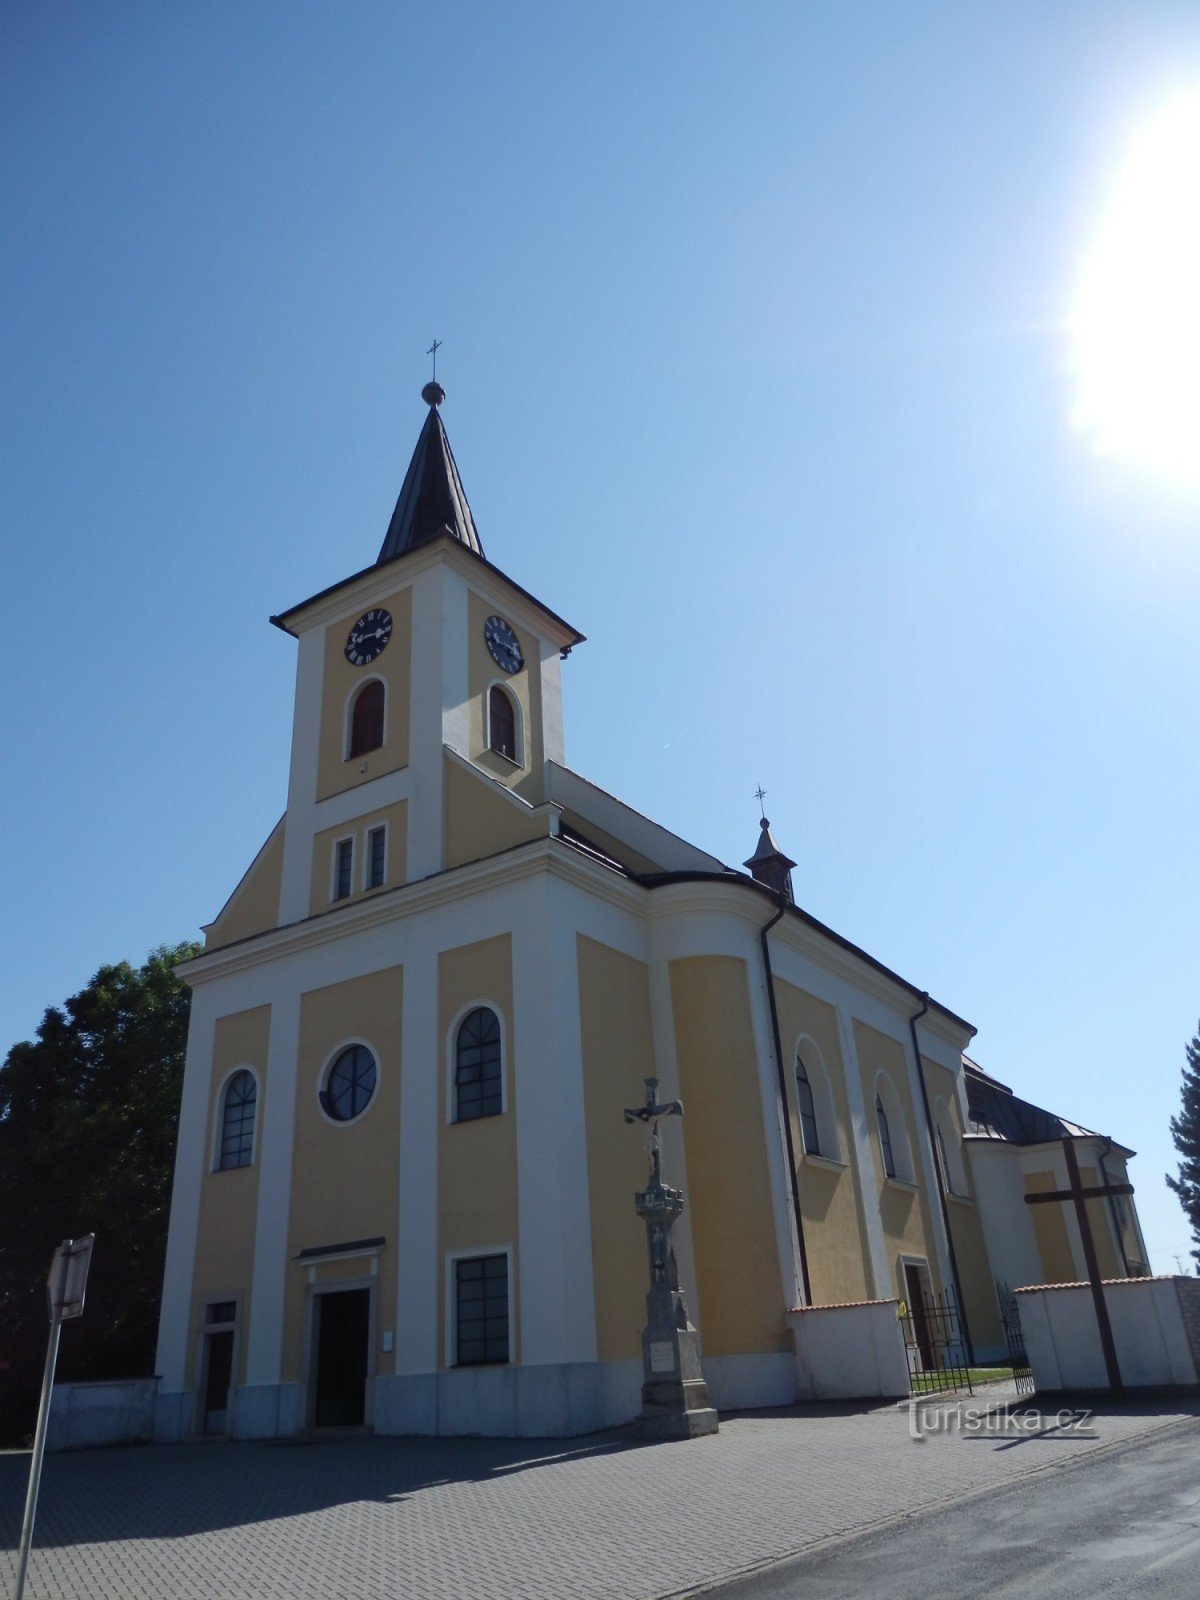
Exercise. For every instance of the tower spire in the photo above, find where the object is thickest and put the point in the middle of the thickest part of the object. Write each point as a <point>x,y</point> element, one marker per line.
<point>432,499</point>
<point>768,865</point>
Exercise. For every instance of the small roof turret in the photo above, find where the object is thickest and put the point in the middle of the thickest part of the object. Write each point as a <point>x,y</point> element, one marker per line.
<point>769,865</point>
<point>432,500</point>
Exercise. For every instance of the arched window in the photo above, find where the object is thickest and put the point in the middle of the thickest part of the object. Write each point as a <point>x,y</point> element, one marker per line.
<point>478,1086</point>
<point>808,1111</point>
<point>237,1121</point>
<point>502,723</point>
<point>954,1173</point>
<point>366,720</point>
<point>885,1138</point>
<point>349,1084</point>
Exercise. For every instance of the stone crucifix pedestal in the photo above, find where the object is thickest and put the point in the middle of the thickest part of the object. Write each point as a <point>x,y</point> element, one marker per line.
<point>675,1403</point>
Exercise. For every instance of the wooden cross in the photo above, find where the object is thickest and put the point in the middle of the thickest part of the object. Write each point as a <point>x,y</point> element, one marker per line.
<point>1077,1192</point>
<point>432,351</point>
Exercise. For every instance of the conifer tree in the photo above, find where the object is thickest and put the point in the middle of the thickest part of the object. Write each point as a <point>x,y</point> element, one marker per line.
<point>1185,1130</point>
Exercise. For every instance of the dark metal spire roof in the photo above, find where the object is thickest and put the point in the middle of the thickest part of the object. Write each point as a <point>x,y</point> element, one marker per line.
<point>769,865</point>
<point>432,500</point>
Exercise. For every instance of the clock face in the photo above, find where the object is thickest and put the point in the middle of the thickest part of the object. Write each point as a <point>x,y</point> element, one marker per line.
<point>368,637</point>
<point>503,645</point>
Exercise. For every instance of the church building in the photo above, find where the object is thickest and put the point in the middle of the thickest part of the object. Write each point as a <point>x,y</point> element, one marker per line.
<point>404,1187</point>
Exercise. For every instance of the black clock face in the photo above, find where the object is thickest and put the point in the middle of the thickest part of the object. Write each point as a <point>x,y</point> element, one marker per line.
<point>503,644</point>
<point>368,637</point>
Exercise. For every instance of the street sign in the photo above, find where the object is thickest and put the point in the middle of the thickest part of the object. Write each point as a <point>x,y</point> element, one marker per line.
<point>66,1284</point>
<point>67,1280</point>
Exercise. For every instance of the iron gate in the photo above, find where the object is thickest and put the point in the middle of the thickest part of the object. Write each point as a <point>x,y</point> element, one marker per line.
<point>937,1361</point>
<point>1014,1338</point>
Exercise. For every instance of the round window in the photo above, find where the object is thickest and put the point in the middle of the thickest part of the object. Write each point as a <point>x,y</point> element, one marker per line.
<point>350,1084</point>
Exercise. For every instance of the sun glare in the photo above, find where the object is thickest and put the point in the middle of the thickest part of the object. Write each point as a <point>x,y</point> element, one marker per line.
<point>1136,319</point>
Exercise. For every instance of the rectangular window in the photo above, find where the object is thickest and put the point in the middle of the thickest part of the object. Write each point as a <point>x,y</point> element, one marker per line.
<point>376,857</point>
<point>481,1310</point>
<point>221,1311</point>
<point>343,876</point>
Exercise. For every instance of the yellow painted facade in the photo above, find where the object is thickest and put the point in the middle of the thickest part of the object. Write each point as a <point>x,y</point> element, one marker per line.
<point>830,1204</point>
<point>224,1262</point>
<point>1050,1231</point>
<point>525,686</point>
<point>477,1160</point>
<point>903,1207</point>
<point>345,1177</point>
<point>254,905</point>
<point>482,821</point>
<point>618,1055</point>
<point>341,681</point>
<point>324,865</point>
<point>733,1227</point>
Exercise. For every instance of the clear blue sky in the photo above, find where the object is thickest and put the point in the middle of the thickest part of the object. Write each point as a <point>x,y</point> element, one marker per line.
<point>755,321</point>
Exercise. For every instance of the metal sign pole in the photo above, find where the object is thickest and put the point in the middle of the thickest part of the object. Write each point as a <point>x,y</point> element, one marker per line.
<point>66,1285</point>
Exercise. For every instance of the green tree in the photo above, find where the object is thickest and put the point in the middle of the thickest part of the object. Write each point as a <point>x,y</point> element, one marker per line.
<point>88,1113</point>
<point>1185,1130</point>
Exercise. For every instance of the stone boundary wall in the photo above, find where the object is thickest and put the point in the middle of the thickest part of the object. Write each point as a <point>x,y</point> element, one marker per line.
<point>850,1352</point>
<point>1188,1290</point>
<point>1154,1349</point>
<point>113,1411</point>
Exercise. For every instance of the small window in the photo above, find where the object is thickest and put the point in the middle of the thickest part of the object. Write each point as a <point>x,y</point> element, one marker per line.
<point>366,720</point>
<point>343,872</point>
<point>885,1138</point>
<point>237,1121</point>
<point>376,857</point>
<point>478,1085</point>
<point>220,1311</point>
<point>481,1310</point>
<point>502,723</point>
<point>808,1111</point>
<point>350,1084</point>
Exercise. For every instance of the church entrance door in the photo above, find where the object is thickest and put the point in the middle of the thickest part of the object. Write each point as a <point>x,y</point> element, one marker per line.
<point>915,1293</point>
<point>218,1374</point>
<point>343,1325</point>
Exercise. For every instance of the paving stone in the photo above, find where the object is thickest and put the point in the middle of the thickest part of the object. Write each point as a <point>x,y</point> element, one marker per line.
<point>603,1518</point>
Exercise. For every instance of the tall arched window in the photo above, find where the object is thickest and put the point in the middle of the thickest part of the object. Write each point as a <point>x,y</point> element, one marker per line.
<point>478,1086</point>
<point>885,1138</point>
<point>237,1121</point>
<point>808,1111</point>
<point>366,720</point>
<point>502,723</point>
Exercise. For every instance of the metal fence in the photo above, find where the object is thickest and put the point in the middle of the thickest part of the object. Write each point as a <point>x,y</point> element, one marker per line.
<point>937,1357</point>
<point>1014,1339</point>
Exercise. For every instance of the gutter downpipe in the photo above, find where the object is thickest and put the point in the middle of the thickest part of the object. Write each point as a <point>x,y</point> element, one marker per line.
<point>783,1100</point>
<point>941,1180</point>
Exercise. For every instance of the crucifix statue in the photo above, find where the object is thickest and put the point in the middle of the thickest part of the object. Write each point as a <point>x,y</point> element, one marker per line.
<point>1080,1194</point>
<point>675,1403</point>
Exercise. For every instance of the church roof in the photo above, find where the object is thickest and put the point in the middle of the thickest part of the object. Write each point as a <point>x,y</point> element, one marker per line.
<point>994,1112</point>
<point>432,499</point>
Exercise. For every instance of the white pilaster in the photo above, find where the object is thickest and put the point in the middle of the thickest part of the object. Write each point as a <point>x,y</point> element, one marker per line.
<point>421,1080</point>
<point>455,650</point>
<point>553,743</point>
<point>265,1345</point>
<point>190,1163</point>
<point>426,724</point>
<point>862,1132</point>
<point>296,886</point>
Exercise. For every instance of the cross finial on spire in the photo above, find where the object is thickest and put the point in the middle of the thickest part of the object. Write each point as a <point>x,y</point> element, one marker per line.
<point>432,351</point>
<point>760,794</point>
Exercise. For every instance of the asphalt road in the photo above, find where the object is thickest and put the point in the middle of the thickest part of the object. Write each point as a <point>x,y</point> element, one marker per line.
<point>1125,1523</point>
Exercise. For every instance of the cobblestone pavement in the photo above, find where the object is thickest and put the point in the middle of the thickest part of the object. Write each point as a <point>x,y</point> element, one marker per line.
<point>604,1518</point>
